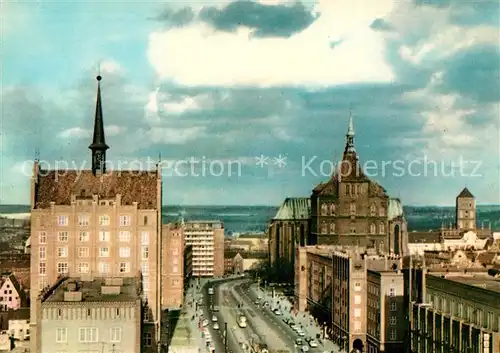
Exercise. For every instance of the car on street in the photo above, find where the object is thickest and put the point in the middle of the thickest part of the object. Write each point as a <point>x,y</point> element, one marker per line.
<point>216,326</point>
<point>298,342</point>
<point>308,339</point>
<point>313,343</point>
<point>210,291</point>
<point>278,312</point>
<point>291,323</point>
<point>296,328</point>
<point>257,302</point>
<point>305,349</point>
<point>265,305</point>
<point>214,318</point>
<point>216,309</point>
<point>259,296</point>
<point>205,323</point>
<point>301,333</point>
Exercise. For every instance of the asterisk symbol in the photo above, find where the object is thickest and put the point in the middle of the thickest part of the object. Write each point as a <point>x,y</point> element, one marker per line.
<point>262,160</point>
<point>280,161</point>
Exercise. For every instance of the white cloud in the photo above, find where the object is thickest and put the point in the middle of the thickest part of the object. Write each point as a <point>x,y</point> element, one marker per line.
<point>186,104</point>
<point>113,130</point>
<point>74,133</point>
<point>110,66</point>
<point>232,59</point>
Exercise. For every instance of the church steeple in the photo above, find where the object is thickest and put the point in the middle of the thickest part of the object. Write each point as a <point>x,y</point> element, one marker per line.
<point>98,146</point>
<point>349,145</point>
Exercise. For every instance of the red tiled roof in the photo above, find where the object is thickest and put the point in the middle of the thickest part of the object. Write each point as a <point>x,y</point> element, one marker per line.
<point>139,186</point>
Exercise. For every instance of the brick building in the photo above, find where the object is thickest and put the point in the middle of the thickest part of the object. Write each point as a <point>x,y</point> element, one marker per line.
<point>172,265</point>
<point>96,222</point>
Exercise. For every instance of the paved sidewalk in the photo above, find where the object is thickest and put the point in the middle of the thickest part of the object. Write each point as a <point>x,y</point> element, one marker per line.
<point>307,322</point>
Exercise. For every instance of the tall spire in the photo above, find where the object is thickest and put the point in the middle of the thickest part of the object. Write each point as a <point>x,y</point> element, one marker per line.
<point>98,146</point>
<point>349,146</point>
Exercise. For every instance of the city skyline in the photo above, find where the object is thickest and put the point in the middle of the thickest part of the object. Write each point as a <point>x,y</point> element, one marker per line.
<point>234,96</point>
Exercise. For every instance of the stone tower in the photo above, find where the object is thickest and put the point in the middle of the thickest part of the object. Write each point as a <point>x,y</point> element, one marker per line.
<point>465,211</point>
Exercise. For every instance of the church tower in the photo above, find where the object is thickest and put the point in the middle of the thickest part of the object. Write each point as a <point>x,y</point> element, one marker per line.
<point>465,211</point>
<point>98,146</point>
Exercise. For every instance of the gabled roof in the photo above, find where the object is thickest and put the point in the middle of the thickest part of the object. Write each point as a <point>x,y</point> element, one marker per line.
<point>15,283</point>
<point>465,193</point>
<point>294,208</point>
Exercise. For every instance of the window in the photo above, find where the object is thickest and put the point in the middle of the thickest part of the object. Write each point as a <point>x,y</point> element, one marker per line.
<point>88,335</point>
<point>42,282</point>
<point>83,237</point>
<point>62,252</point>
<point>124,236</point>
<point>357,326</point>
<point>357,312</point>
<point>124,267</point>
<point>393,306</point>
<point>62,220</point>
<point>104,220</point>
<point>124,221</point>
<point>144,268</point>
<point>357,287</point>
<point>393,335</point>
<point>147,339</point>
<point>42,253</point>
<point>357,299</point>
<point>62,236</point>
<point>382,228</point>
<point>352,209</point>
<point>145,252</point>
<point>392,292</point>
<point>145,220</point>
<point>103,267</point>
<point>324,227</point>
<point>42,238</point>
<point>332,228</point>
<point>83,252</point>
<point>332,209</point>
<point>61,335</point>
<point>83,220</point>
<point>104,252</point>
<point>393,320</point>
<point>62,267</point>
<point>175,269</point>
<point>373,229</point>
<point>103,235</point>
<point>352,230</point>
<point>83,267</point>
<point>116,334</point>
<point>124,252</point>
<point>381,212</point>
<point>373,210</point>
<point>144,238</point>
<point>43,269</point>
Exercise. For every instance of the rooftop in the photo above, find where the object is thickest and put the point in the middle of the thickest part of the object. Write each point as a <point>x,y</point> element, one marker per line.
<point>294,208</point>
<point>133,186</point>
<point>481,280</point>
<point>91,291</point>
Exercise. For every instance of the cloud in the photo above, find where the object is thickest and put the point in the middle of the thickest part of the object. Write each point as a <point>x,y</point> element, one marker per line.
<point>74,133</point>
<point>240,58</point>
<point>176,17</point>
<point>274,20</point>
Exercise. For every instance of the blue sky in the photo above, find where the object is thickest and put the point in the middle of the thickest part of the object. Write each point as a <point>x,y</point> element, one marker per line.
<point>226,82</point>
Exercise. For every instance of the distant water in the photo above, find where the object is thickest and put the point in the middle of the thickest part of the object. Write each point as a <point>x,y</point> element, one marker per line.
<point>241,219</point>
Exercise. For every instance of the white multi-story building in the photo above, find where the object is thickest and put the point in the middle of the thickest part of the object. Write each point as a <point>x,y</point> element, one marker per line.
<point>206,240</point>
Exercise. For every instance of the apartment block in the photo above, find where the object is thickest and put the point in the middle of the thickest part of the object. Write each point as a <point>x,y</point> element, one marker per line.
<point>455,311</point>
<point>91,315</point>
<point>96,222</point>
<point>386,322</point>
<point>206,239</point>
<point>172,266</point>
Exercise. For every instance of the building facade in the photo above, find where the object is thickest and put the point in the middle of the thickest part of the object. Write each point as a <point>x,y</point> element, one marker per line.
<point>96,222</point>
<point>455,311</point>
<point>12,295</point>
<point>92,315</point>
<point>206,239</point>
<point>287,230</point>
<point>172,266</point>
<point>466,211</point>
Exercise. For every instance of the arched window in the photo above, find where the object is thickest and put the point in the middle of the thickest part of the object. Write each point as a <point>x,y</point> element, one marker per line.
<point>373,229</point>
<point>324,228</point>
<point>352,209</point>
<point>382,228</point>
<point>382,212</point>
<point>332,209</point>
<point>332,228</point>
<point>324,209</point>
<point>373,210</point>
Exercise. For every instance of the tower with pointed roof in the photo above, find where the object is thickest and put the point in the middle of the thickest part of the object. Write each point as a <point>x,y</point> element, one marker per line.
<point>465,208</point>
<point>98,145</point>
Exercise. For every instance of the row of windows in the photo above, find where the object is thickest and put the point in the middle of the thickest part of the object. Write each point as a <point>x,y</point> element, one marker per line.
<point>104,268</point>
<point>329,228</point>
<point>88,334</point>
<point>328,209</point>
<point>104,236</point>
<point>104,220</point>
<point>84,252</point>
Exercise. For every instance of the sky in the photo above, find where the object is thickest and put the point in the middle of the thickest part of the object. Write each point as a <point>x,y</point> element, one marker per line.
<point>248,102</point>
